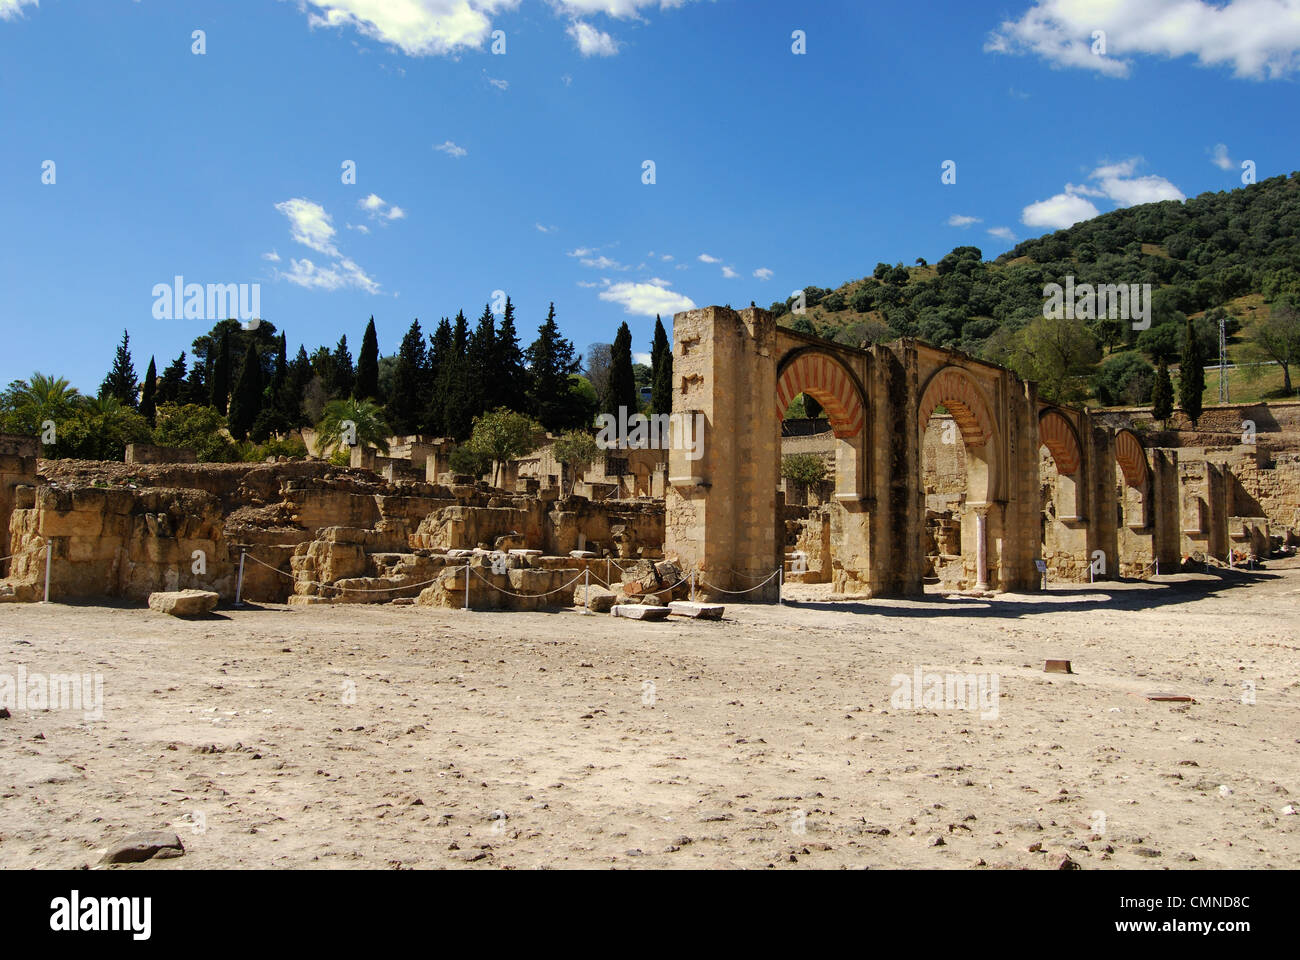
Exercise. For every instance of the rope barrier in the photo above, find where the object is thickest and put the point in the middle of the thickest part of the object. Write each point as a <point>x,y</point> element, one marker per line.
<point>770,577</point>
<point>526,596</point>
<point>317,583</point>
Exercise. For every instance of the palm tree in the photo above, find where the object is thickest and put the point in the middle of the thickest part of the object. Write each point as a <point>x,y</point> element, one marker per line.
<point>361,421</point>
<point>28,404</point>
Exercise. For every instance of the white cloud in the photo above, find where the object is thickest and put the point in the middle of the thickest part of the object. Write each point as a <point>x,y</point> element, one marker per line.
<point>623,9</point>
<point>667,258</point>
<point>602,263</point>
<point>1002,233</point>
<point>372,202</point>
<point>416,27</point>
<point>309,225</point>
<point>705,258</point>
<point>1220,157</point>
<point>646,299</point>
<point>729,274</point>
<point>1059,211</point>
<point>762,273</point>
<point>341,274</point>
<point>374,205</point>
<point>592,42</point>
<point>272,256</point>
<point>312,227</point>
<point>10,9</point>
<point>961,220</point>
<point>499,84</point>
<point>395,213</point>
<point>642,358</point>
<point>544,229</point>
<point>1114,182</point>
<point>1258,38</point>
<point>450,148</point>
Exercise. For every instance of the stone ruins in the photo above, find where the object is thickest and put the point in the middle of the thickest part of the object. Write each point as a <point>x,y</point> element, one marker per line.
<point>945,470</point>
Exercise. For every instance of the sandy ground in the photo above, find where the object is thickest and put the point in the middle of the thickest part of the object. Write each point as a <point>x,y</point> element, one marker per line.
<point>769,739</point>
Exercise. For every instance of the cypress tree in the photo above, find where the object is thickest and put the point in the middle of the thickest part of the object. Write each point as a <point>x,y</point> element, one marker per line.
<point>622,381</point>
<point>661,370</point>
<point>219,384</point>
<point>246,400</point>
<point>148,405</point>
<point>458,409</point>
<point>1162,394</point>
<point>441,345</point>
<point>367,385</point>
<point>1191,375</point>
<point>281,373</point>
<point>121,382</point>
<point>289,398</point>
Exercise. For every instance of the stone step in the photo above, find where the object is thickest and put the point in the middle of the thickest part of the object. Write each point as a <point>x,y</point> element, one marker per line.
<point>636,611</point>
<point>699,611</point>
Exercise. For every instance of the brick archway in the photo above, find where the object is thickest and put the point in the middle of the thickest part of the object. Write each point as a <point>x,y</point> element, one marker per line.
<point>953,388</point>
<point>822,377</point>
<point>1132,459</point>
<point>1057,434</point>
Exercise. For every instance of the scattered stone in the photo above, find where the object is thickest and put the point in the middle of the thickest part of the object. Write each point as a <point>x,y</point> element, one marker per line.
<point>1161,697</point>
<point>700,611</point>
<point>1057,666</point>
<point>157,845</point>
<point>184,603</point>
<point>1062,861</point>
<point>638,611</point>
<point>597,598</point>
<point>1146,852</point>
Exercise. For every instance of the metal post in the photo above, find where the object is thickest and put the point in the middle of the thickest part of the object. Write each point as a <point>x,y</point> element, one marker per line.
<point>586,590</point>
<point>608,582</point>
<point>780,584</point>
<point>467,586</point>
<point>692,586</point>
<point>49,555</point>
<point>239,586</point>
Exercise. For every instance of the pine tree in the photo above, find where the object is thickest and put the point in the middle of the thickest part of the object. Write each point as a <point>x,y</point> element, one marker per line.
<point>551,361</point>
<point>661,370</point>
<point>342,375</point>
<point>120,382</point>
<point>1162,394</point>
<point>172,384</point>
<point>367,385</point>
<point>622,381</point>
<point>1191,375</point>
<point>410,393</point>
<point>510,369</point>
<point>246,400</point>
<point>483,385</point>
<point>458,397</point>
<point>219,383</point>
<point>148,405</point>
<point>289,398</point>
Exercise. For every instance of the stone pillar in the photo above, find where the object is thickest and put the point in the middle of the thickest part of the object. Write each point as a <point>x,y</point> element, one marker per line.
<point>721,508</point>
<point>981,549</point>
<point>17,468</point>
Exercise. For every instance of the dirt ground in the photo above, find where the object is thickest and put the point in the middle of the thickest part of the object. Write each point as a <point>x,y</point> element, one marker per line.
<point>400,736</point>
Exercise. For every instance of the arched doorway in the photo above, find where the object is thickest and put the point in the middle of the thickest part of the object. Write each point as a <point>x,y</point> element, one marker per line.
<point>971,425</point>
<point>1133,519</point>
<point>1064,532</point>
<point>808,531</point>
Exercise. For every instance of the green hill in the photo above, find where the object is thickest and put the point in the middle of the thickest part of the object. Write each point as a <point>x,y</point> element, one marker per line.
<point>1236,251</point>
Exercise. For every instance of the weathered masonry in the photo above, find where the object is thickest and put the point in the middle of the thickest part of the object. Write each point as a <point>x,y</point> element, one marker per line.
<point>741,370</point>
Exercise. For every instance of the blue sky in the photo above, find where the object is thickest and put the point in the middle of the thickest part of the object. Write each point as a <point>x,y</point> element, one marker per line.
<point>523,171</point>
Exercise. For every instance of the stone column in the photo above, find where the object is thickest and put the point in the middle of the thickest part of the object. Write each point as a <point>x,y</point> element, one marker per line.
<point>981,550</point>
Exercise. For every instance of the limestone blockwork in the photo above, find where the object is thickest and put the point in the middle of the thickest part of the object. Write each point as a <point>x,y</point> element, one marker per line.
<point>1044,482</point>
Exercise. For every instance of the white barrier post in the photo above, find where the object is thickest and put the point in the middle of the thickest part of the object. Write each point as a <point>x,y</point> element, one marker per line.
<point>780,584</point>
<point>466,586</point>
<point>692,586</point>
<point>239,585</point>
<point>49,555</point>
<point>586,590</point>
<point>608,582</point>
